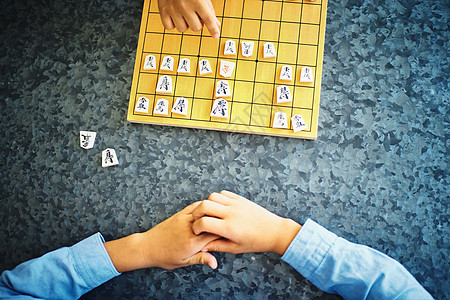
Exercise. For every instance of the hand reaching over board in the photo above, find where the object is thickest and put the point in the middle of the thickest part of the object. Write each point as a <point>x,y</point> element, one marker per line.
<point>184,14</point>
<point>244,225</point>
<point>170,244</point>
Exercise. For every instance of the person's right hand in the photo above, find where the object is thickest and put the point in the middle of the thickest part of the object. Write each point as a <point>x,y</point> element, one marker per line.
<point>244,225</point>
<point>184,14</point>
<point>170,244</point>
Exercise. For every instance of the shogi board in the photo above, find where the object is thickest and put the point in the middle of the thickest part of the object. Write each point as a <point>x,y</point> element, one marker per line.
<point>297,29</point>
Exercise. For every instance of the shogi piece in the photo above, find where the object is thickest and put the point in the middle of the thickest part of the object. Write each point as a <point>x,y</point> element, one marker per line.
<point>283,94</point>
<point>87,139</point>
<point>204,67</point>
<point>286,73</point>
<point>220,109</point>
<point>181,106</point>
<point>230,48</point>
<point>164,85</point>
<point>150,62</point>
<point>167,63</point>
<point>161,107</point>
<point>223,89</point>
<point>306,75</point>
<point>109,158</point>
<point>226,68</point>
<point>269,50</point>
<point>298,124</point>
<point>247,48</point>
<point>280,120</point>
<point>184,67</point>
<point>142,105</point>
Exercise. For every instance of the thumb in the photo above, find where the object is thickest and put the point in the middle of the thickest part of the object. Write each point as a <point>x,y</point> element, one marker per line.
<point>222,245</point>
<point>203,258</point>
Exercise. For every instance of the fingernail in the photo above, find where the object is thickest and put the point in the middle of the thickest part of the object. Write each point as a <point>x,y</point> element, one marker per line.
<point>215,36</point>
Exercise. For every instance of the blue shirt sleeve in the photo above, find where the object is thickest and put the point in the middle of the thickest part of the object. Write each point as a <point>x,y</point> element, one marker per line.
<point>66,273</point>
<point>353,271</point>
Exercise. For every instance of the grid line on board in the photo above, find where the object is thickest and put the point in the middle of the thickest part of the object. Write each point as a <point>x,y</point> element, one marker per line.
<point>238,18</point>
<point>296,60</point>
<point>243,80</point>
<point>256,65</point>
<point>175,67</point>
<point>317,57</point>
<point>217,60</point>
<point>276,67</point>
<point>138,79</point>
<point>237,101</point>
<point>140,63</point>
<point>213,57</point>
<point>250,39</point>
<point>159,65</point>
<point>195,72</point>
<point>238,48</point>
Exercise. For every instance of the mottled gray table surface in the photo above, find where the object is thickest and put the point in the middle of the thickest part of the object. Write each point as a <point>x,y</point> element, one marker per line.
<point>376,175</point>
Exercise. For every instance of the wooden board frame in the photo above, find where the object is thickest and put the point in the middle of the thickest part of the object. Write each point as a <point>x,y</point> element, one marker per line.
<point>295,27</point>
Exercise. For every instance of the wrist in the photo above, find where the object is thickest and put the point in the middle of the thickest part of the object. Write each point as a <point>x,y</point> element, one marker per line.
<point>127,253</point>
<point>287,230</point>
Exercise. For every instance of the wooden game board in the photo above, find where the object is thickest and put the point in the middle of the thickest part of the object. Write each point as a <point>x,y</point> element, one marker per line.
<point>297,29</point>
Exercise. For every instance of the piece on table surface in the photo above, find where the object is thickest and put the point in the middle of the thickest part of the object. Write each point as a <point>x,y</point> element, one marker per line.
<point>306,75</point>
<point>230,48</point>
<point>226,68</point>
<point>283,94</point>
<point>269,50</point>
<point>220,109</point>
<point>142,105</point>
<point>223,89</point>
<point>161,107</point>
<point>87,139</point>
<point>184,66</point>
<point>150,62</point>
<point>181,106</point>
<point>247,48</point>
<point>109,158</point>
<point>298,124</point>
<point>286,73</point>
<point>167,63</point>
<point>164,85</point>
<point>204,67</point>
<point>280,120</point>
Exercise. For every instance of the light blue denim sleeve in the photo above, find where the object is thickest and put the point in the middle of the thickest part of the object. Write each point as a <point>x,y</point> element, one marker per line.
<point>353,271</point>
<point>66,273</point>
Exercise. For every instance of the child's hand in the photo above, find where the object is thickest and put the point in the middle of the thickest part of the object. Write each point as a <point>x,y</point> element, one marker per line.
<point>244,225</point>
<point>184,14</point>
<point>170,244</point>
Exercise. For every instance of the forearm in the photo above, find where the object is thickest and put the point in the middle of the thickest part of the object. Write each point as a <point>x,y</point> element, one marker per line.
<point>68,272</point>
<point>286,232</point>
<point>354,271</point>
<point>127,254</point>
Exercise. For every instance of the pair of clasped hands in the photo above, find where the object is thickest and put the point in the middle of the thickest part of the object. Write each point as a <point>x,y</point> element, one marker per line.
<point>225,222</point>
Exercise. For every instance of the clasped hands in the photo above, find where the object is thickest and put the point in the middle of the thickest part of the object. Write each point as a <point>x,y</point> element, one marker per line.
<point>225,222</point>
